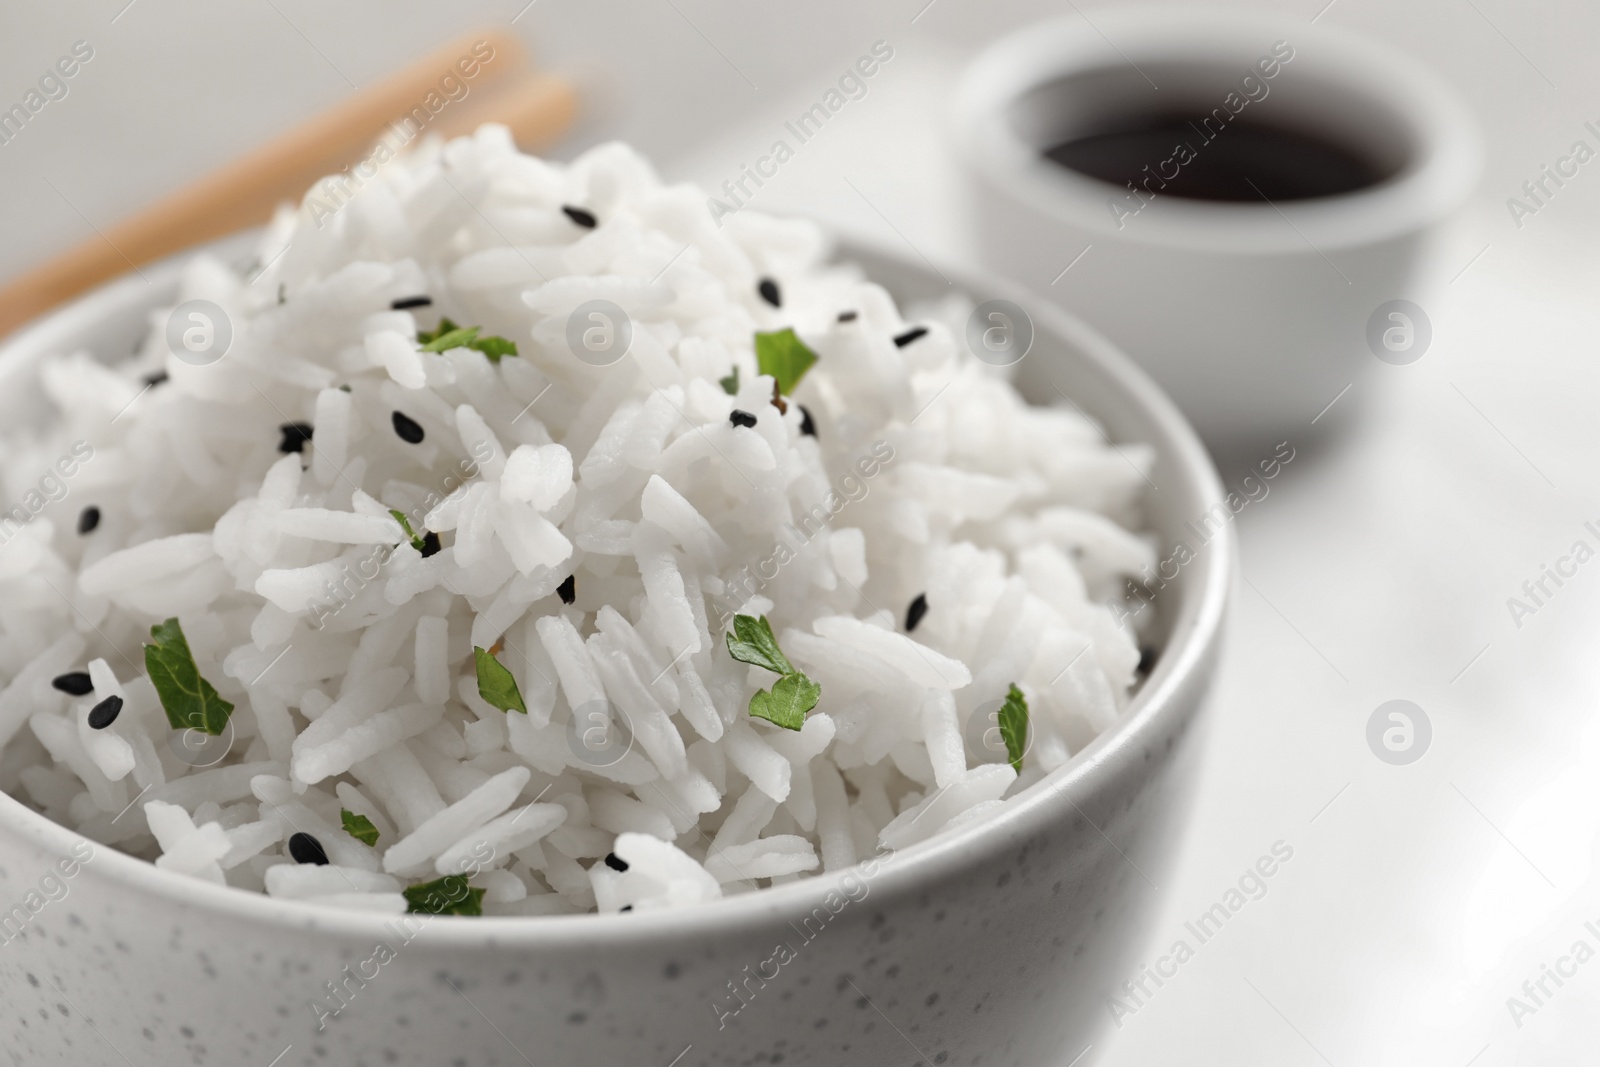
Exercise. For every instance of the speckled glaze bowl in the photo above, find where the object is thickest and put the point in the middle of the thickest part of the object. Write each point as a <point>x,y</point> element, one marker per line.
<point>994,946</point>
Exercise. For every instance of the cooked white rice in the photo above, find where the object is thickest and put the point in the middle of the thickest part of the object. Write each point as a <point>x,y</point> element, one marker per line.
<point>350,661</point>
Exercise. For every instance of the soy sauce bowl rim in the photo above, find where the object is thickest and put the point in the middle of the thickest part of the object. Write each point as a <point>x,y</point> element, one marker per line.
<point>1444,155</point>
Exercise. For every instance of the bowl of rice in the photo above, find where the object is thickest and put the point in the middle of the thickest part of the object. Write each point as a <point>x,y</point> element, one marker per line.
<point>505,612</point>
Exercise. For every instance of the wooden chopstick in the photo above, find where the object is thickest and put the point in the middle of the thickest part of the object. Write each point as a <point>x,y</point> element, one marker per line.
<point>538,108</point>
<point>245,192</point>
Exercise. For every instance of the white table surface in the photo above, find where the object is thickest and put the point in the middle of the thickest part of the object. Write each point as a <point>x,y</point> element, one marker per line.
<point>1419,897</point>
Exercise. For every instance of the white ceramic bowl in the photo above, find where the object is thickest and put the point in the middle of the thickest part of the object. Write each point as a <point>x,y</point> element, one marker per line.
<point>996,945</point>
<point>1253,316</point>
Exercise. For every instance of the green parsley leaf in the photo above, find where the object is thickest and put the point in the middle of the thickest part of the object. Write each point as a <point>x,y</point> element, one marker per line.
<point>730,384</point>
<point>461,337</point>
<point>1013,721</point>
<point>449,336</point>
<point>400,517</point>
<point>792,696</point>
<point>495,683</point>
<point>190,701</point>
<point>358,826</point>
<point>445,326</point>
<point>450,895</point>
<point>494,347</point>
<point>752,642</point>
<point>784,356</point>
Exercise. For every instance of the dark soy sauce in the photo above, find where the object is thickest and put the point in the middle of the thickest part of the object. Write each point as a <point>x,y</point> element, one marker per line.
<point>1222,163</point>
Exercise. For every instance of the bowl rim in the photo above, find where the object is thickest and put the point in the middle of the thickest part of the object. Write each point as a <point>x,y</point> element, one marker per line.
<point>1172,692</point>
<point>1447,147</point>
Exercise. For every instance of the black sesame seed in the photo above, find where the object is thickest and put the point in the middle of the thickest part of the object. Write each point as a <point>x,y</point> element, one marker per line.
<point>75,683</point>
<point>568,590</point>
<point>1147,659</point>
<point>769,292</point>
<point>847,316</point>
<point>303,848</point>
<point>914,614</point>
<point>407,302</point>
<point>105,713</point>
<point>909,336</point>
<point>295,436</point>
<point>88,519</point>
<point>616,862</point>
<point>430,544</point>
<point>409,430</point>
<point>807,426</point>
<point>741,418</point>
<point>158,378</point>
<point>626,907</point>
<point>581,217</point>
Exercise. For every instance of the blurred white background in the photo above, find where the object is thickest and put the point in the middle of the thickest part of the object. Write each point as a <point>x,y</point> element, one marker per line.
<point>1419,897</point>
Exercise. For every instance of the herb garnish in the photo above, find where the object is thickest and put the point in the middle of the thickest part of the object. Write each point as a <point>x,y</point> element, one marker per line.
<point>496,684</point>
<point>358,826</point>
<point>494,347</point>
<point>751,641</point>
<point>416,542</point>
<point>191,703</point>
<point>792,696</point>
<point>730,384</point>
<point>784,356</point>
<point>450,895</point>
<point>1013,722</point>
<point>449,335</point>
<point>447,330</point>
